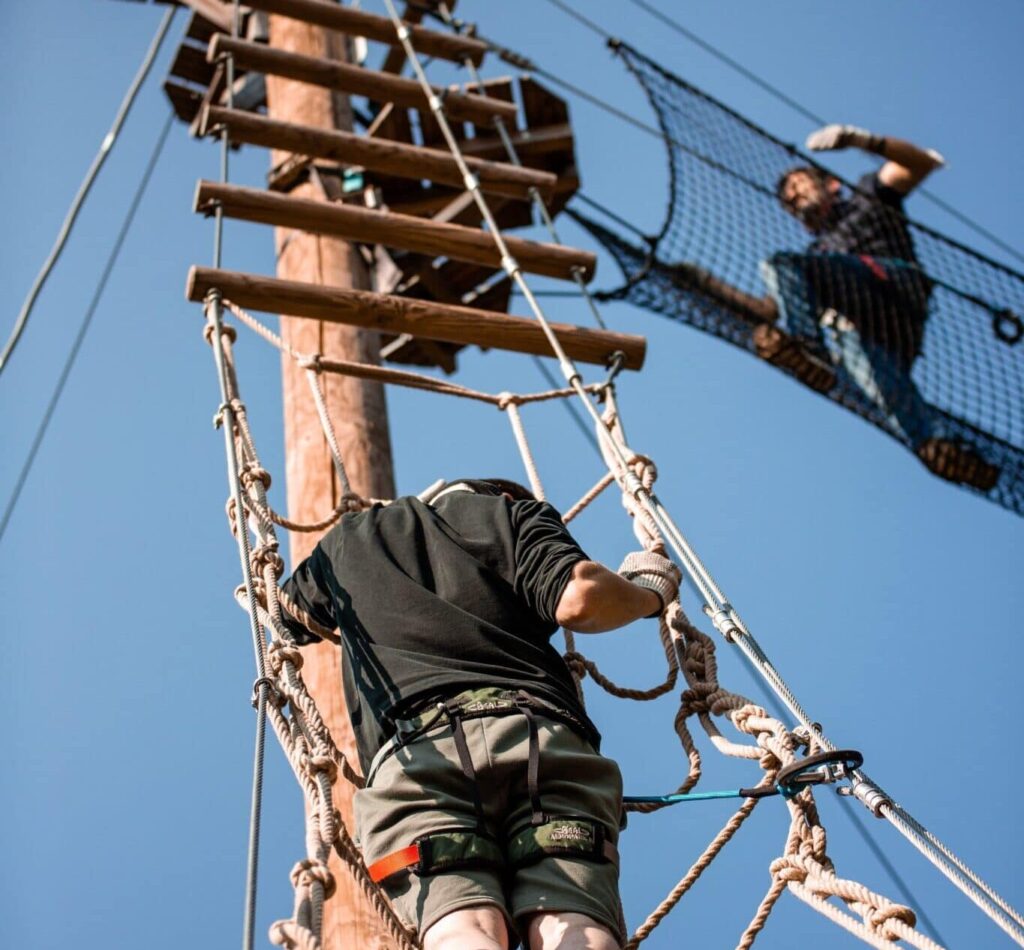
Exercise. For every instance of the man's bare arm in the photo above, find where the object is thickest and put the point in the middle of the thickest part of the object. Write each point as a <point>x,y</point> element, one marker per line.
<point>597,599</point>
<point>906,166</point>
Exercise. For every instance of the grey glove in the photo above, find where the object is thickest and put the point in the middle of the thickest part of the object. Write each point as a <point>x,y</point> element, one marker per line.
<point>833,137</point>
<point>655,572</point>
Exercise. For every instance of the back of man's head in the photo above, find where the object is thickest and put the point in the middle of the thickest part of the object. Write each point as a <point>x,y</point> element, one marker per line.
<point>491,486</point>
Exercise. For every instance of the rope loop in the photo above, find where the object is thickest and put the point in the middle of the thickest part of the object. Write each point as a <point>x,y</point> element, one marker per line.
<point>265,555</point>
<point>287,933</point>
<point>227,332</point>
<point>354,503</point>
<point>321,763</point>
<point>307,872</point>
<point>880,917</point>
<point>507,399</point>
<point>279,652</point>
<point>255,473</point>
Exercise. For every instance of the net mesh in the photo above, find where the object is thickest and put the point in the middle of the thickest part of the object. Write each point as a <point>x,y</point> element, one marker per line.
<point>912,331</point>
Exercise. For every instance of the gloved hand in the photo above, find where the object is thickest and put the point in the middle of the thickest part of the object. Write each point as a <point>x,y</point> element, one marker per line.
<point>654,572</point>
<point>833,137</point>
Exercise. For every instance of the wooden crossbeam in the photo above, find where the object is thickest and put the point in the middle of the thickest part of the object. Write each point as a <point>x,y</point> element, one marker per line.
<point>380,87</point>
<point>428,319</point>
<point>379,155</point>
<point>378,28</point>
<point>542,141</point>
<point>439,239</point>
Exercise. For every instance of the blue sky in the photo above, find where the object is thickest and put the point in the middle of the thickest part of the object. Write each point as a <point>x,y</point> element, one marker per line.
<point>888,599</point>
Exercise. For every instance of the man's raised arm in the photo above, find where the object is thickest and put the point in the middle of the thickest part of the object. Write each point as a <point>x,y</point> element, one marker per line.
<point>906,166</point>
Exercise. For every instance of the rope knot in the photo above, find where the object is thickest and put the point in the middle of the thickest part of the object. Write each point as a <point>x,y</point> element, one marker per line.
<point>279,652</point>
<point>741,718</point>
<point>879,918</point>
<point>307,872</point>
<point>507,399</point>
<point>265,555</point>
<point>351,502</point>
<point>254,473</point>
<point>785,869</point>
<point>644,469</point>
<point>577,664</point>
<point>321,763</point>
<point>227,331</point>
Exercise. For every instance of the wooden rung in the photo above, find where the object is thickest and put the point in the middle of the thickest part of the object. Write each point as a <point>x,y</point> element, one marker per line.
<point>529,143</point>
<point>428,319</point>
<point>379,155</point>
<point>379,28</point>
<point>407,232</point>
<point>380,87</point>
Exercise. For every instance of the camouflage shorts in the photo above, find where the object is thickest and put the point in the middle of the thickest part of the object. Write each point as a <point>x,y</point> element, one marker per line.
<point>421,789</point>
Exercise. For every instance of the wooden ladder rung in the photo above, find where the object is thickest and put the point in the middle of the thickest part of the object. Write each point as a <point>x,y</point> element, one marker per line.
<point>379,155</point>
<point>407,232</point>
<point>379,28</point>
<point>423,318</point>
<point>380,87</point>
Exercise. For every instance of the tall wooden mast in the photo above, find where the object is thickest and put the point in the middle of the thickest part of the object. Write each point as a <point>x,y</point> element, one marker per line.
<point>359,413</point>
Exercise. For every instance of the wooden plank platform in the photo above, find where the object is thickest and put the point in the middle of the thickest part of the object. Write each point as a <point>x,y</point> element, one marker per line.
<point>378,155</point>
<point>380,87</point>
<point>424,236</point>
<point>373,27</point>
<point>403,315</point>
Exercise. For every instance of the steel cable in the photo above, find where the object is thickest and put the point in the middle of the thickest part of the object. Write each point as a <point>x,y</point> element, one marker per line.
<point>90,312</point>
<point>83,190</point>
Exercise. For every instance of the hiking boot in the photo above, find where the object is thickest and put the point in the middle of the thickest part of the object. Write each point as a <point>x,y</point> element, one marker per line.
<point>780,349</point>
<point>958,462</point>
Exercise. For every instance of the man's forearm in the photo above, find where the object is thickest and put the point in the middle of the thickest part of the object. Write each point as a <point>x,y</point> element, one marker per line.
<point>919,161</point>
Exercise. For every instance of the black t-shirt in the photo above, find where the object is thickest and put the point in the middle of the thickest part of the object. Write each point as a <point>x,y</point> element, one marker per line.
<point>432,600</point>
<point>869,221</point>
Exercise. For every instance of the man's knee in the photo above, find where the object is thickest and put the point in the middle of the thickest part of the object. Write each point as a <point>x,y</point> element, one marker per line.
<point>569,931</point>
<point>475,928</point>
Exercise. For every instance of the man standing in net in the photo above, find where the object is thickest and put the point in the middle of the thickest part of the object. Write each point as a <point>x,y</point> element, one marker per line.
<point>488,813</point>
<point>859,283</point>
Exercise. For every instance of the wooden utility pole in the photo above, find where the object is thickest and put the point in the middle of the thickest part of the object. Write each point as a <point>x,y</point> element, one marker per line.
<point>358,410</point>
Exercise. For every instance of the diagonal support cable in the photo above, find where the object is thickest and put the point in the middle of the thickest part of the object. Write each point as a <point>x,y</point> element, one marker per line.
<point>83,190</point>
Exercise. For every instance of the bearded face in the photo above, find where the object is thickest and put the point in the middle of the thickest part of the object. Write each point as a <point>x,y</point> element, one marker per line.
<point>808,198</point>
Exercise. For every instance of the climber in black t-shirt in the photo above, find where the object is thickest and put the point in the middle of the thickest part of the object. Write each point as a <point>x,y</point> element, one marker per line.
<point>488,811</point>
<point>856,300</point>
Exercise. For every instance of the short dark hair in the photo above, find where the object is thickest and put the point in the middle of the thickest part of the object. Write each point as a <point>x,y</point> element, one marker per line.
<point>811,171</point>
<point>496,486</point>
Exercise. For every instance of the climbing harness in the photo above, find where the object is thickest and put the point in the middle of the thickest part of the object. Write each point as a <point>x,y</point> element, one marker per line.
<point>460,847</point>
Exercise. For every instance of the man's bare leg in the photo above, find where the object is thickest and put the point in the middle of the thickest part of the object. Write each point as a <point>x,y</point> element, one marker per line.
<point>475,928</point>
<point>568,931</point>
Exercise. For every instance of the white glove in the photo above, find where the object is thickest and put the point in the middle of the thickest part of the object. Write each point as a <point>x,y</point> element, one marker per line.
<point>833,137</point>
<point>654,572</point>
